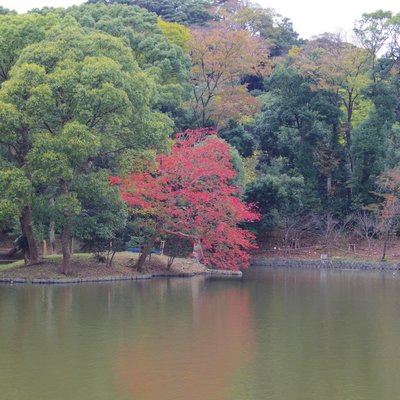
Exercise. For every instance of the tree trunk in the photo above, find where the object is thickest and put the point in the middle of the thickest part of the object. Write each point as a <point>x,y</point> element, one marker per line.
<point>112,258</point>
<point>66,250</point>
<point>27,230</point>
<point>66,237</point>
<point>385,245</point>
<point>52,237</point>
<point>198,250</point>
<point>329,184</point>
<point>147,250</point>
<point>170,262</point>
<point>52,231</point>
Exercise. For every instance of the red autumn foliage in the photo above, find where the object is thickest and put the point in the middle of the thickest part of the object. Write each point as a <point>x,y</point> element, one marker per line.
<point>191,195</point>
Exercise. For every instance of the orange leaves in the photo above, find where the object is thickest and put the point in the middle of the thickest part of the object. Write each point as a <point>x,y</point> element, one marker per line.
<point>225,54</point>
<point>220,57</point>
<point>234,103</point>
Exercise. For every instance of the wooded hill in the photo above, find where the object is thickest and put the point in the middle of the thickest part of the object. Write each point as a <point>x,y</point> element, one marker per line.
<point>102,89</point>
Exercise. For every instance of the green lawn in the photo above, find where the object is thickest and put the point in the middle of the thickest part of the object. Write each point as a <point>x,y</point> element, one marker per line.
<point>20,263</point>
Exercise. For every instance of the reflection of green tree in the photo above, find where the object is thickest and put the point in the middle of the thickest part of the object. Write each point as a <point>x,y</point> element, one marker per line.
<point>62,342</point>
<point>318,335</point>
<point>323,336</point>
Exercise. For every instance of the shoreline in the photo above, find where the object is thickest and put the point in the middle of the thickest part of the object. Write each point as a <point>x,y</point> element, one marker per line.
<point>326,264</point>
<point>115,278</point>
<point>85,269</point>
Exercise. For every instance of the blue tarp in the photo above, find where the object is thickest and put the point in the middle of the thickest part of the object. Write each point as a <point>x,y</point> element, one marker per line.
<point>139,250</point>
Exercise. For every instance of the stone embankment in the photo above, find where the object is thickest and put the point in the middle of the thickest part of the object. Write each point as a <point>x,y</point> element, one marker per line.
<point>162,274</point>
<point>328,264</point>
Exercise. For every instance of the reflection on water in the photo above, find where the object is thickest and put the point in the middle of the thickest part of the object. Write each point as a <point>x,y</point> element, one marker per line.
<point>205,348</point>
<point>279,334</point>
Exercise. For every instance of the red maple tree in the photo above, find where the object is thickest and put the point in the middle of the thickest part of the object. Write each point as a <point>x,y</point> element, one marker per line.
<point>190,194</point>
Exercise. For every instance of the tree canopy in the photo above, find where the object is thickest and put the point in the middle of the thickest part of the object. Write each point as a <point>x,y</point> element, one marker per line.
<point>188,194</point>
<point>102,89</point>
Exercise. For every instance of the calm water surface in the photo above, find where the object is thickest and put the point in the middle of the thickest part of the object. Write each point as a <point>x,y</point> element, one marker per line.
<point>278,334</point>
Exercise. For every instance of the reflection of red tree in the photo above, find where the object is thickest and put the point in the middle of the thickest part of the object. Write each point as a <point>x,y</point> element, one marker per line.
<point>195,363</point>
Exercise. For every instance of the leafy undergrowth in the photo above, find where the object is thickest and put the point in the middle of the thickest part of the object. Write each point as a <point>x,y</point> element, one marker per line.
<point>84,266</point>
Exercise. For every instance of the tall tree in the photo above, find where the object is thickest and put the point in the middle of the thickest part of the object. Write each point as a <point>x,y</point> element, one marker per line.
<point>175,33</point>
<point>220,57</point>
<point>73,102</point>
<point>5,11</point>
<point>165,61</point>
<point>373,139</point>
<point>389,213</point>
<point>189,194</point>
<point>17,32</point>
<point>373,31</point>
<point>342,70</point>
<point>187,12</point>
<point>297,128</point>
<point>261,22</point>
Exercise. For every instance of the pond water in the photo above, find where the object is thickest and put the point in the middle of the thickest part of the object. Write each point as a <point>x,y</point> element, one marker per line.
<point>278,334</point>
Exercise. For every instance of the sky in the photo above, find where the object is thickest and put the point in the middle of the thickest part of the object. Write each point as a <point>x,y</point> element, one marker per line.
<point>313,17</point>
<point>309,17</point>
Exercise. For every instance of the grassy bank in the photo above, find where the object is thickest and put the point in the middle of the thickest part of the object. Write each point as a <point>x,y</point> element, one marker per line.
<point>84,265</point>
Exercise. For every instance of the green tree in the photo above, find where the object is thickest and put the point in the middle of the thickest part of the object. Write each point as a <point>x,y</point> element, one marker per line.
<point>279,196</point>
<point>373,31</point>
<point>175,33</point>
<point>74,101</point>
<point>295,122</point>
<point>373,140</point>
<point>240,137</point>
<point>155,52</point>
<point>5,11</point>
<point>16,191</point>
<point>187,12</point>
<point>259,22</point>
<point>17,32</point>
<point>342,70</point>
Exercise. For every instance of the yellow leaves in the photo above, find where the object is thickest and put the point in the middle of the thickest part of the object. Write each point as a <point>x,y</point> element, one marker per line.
<point>220,58</point>
<point>250,165</point>
<point>333,65</point>
<point>294,51</point>
<point>389,182</point>
<point>175,33</point>
<point>361,111</point>
<point>340,68</point>
<point>246,119</point>
<point>226,55</point>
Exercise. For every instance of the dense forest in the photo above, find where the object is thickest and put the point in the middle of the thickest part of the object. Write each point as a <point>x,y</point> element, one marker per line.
<point>104,89</point>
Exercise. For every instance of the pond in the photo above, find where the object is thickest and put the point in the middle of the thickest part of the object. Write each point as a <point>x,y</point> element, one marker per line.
<point>276,334</point>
